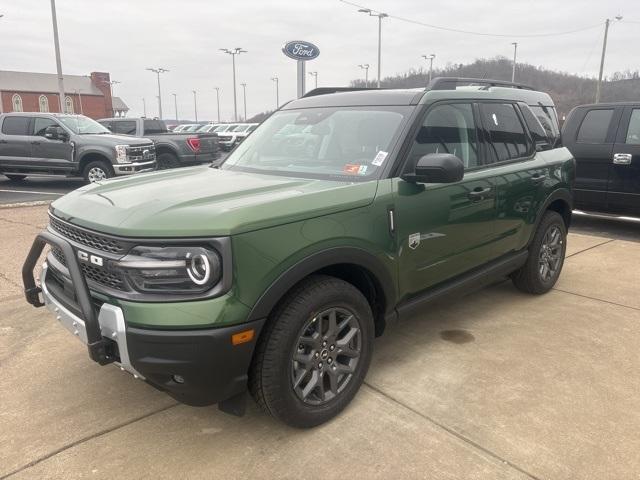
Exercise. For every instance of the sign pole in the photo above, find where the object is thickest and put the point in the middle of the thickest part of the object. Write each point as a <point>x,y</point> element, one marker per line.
<point>301,77</point>
<point>301,52</point>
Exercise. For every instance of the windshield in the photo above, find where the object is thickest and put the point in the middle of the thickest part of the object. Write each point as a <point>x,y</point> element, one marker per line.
<point>338,143</point>
<point>82,125</point>
<point>239,128</point>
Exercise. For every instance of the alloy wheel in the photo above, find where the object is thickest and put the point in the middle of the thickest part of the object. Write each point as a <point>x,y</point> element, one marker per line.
<point>551,252</point>
<point>96,174</point>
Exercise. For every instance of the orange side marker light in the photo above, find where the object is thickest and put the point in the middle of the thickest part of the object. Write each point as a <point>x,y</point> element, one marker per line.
<point>242,337</point>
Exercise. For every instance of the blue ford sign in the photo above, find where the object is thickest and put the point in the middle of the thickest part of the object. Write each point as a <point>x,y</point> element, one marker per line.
<point>299,50</point>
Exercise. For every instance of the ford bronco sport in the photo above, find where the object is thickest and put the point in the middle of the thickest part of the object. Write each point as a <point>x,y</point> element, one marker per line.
<point>274,272</point>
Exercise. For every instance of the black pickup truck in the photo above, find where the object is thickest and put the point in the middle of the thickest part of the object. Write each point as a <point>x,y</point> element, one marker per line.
<point>172,149</point>
<point>604,138</point>
<point>69,145</point>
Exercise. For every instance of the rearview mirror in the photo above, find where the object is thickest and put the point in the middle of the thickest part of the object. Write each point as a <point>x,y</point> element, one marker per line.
<point>436,168</point>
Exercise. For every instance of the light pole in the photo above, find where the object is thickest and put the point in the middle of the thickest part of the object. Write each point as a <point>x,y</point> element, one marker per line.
<point>233,52</point>
<point>144,107</point>
<point>218,101</point>
<point>380,16</point>
<point>604,50</point>
<point>195,104</point>
<point>365,67</point>
<point>158,71</point>
<point>275,79</point>
<point>315,75</point>
<point>111,84</point>
<point>244,94</point>
<point>56,44</point>
<point>515,56</point>
<point>175,105</point>
<point>80,100</point>
<point>430,57</point>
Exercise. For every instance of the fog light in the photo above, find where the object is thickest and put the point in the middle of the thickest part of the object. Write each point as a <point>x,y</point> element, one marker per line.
<point>178,378</point>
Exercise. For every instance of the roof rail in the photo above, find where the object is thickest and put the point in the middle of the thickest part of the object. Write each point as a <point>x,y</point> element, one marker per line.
<point>327,90</point>
<point>450,83</point>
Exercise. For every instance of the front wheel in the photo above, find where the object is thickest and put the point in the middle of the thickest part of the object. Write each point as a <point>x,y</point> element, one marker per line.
<point>314,353</point>
<point>96,171</point>
<point>546,256</point>
<point>165,161</point>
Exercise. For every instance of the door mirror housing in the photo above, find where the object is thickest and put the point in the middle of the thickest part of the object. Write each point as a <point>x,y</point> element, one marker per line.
<point>56,133</point>
<point>436,168</point>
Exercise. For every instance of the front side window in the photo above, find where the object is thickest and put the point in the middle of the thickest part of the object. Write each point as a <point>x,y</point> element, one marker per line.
<point>338,143</point>
<point>40,125</point>
<point>82,125</point>
<point>507,137</point>
<point>68,105</point>
<point>595,126</point>
<point>16,103</point>
<point>43,102</point>
<point>16,125</point>
<point>633,132</point>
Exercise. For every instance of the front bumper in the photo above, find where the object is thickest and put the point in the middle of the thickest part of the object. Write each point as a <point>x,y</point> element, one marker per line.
<point>134,167</point>
<point>197,367</point>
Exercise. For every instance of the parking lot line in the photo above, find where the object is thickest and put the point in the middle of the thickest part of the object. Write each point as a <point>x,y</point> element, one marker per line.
<point>32,192</point>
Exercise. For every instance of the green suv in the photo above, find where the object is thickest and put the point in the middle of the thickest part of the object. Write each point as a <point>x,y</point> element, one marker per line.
<point>344,211</point>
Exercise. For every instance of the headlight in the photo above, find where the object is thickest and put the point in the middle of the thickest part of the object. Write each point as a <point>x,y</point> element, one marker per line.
<point>121,154</point>
<point>177,270</point>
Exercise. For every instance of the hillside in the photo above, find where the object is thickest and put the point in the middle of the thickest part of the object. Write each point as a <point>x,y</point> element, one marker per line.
<point>567,90</point>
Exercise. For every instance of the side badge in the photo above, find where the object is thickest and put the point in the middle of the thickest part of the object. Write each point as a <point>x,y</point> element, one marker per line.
<point>414,240</point>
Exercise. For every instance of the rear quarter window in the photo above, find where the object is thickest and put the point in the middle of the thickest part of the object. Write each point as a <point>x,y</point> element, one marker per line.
<point>594,126</point>
<point>16,126</point>
<point>154,126</point>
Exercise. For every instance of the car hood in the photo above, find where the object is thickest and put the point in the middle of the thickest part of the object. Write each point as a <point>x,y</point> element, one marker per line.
<point>203,201</point>
<point>111,139</point>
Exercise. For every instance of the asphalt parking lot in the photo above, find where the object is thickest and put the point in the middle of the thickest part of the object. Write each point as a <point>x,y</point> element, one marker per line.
<point>496,385</point>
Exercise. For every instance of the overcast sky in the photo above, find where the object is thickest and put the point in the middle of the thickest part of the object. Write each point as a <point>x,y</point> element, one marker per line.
<point>125,36</point>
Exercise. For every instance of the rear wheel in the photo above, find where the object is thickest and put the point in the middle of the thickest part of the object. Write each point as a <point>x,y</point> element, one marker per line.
<point>546,256</point>
<point>96,171</point>
<point>15,177</point>
<point>167,160</point>
<point>314,353</point>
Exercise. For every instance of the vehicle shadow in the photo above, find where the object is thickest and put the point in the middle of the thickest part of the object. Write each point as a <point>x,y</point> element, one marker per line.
<point>619,228</point>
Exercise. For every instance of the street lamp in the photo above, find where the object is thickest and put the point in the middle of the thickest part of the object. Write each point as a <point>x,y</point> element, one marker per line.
<point>315,75</point>
<point>218,101</point>
<point>175,105</point>
<point>244,94</point>
<point>380,16</point>
<point>144,107</point>
<point>604,50</point>
<point>111,84</point>
<point>430,57</point>
<point>233,52</point>
<point>158,71</point>
<point>195,104</point>
<point>365,67</point>
<point>515,54</point>
<point>275,79</point>
<point>56,44</point>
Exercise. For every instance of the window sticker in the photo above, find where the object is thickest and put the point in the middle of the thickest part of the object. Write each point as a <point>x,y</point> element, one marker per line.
<point>380,158</point>
<point>362,170</point>
<point>351,169</point>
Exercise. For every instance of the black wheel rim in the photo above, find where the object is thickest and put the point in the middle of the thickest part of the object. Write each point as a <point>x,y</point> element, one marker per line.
<point>551,252</point>
<point>326,355</point>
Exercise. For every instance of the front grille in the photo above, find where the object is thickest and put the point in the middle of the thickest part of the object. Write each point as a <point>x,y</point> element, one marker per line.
<point>101,276</point>
<point>58,255</point>
<point>136,153</point>
<point>93,240</point>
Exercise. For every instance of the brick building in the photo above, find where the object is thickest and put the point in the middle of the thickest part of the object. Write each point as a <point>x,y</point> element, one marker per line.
<point>38,92</point>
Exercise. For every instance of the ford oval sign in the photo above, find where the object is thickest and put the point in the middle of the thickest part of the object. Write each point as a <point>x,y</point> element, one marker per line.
<point>299,50</point>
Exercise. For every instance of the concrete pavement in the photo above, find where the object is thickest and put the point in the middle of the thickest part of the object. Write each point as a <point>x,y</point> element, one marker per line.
<point>496,385</point>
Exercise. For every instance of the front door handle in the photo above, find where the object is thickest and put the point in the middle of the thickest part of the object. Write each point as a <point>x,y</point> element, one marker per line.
<point>479,193</point>
<point>622,158</point>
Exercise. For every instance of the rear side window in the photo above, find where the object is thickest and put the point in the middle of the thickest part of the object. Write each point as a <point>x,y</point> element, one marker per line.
<point>595,126</point>
<point>126,127</point>
<point>16,125</point>
<point>538,133</point>
<point>154,126</point>
<point>507,138</point>
<point>633,132</point>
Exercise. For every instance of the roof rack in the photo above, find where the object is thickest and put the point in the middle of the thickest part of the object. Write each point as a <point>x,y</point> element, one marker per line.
<point>450,83</point>
<point>327,90</point>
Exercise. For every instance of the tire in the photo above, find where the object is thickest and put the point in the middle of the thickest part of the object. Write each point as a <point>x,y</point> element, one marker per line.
<point>96,171</point>
<point>292,332</point>
<point>165,161</point>
<point>15,177</point>
<point>546,256</point>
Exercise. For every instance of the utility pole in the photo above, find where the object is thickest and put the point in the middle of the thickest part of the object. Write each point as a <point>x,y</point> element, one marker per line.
<point>144,107</point>
<point>175,105</point>
<point>607,23</point>
<point>79,100</point>
<point>233,52</point>
<point>365,67</point>
<point>430,57</point>
<point>218,101</point>
<point>515,56</point>
<point>244,94</point>
<point>195,104</point>
<point>56,43</point>
<point>111,84</point>
<point>315,75</point>
<point>275,79</point>
<point>158,71</point>
<point>380,16</point>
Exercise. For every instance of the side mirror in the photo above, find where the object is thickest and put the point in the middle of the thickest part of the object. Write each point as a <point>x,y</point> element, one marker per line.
<point>56,133</point>
<point>437,168</point>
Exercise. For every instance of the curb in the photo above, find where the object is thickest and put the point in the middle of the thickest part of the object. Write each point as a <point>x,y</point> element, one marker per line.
<point>25,204</point>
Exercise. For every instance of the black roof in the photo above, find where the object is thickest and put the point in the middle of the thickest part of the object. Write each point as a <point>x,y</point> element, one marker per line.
<point>340,97</point>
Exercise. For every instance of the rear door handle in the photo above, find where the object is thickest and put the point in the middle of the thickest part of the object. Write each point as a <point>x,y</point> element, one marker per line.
<point>479,193</point>
<point>538,178</point>
<point>622,158</point>
<point>35,143</point>
<point>3,141</point>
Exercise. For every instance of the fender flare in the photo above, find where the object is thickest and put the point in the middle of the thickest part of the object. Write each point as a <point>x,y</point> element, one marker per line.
<point>322,259</point>
<point>563,194</point>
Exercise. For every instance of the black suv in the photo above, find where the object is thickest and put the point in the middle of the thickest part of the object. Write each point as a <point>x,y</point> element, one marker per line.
<point>604,138</point>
